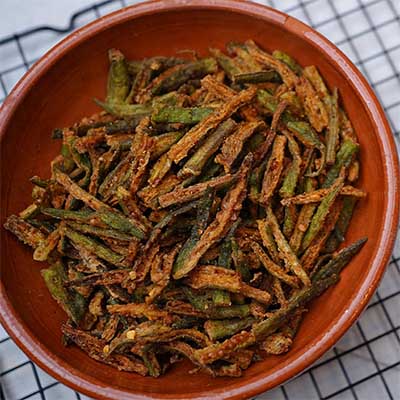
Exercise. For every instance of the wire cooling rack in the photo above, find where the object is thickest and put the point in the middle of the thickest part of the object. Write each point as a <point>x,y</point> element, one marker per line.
<point>365,364</point>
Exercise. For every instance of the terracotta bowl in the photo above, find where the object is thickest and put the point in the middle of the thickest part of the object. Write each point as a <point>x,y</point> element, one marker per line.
<point>59,89</point>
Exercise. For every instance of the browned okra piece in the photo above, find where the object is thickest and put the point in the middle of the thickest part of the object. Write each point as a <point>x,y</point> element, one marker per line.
<point>285,251</point>
<point>228,214</point>
<point>183,195</point>
<point>233,144</point>
<point>180,150</point>
<point>24,231</point>
<point>274,169</point>
<point>274,269</point>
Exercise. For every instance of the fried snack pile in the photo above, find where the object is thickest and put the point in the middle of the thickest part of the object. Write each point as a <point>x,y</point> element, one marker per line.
<point>198,214</point>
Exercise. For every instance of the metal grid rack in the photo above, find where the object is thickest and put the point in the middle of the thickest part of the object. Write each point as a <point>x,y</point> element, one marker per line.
<point>365,364</point>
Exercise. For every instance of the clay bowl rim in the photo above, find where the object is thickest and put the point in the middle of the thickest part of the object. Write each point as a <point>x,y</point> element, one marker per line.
<point>244,388</point>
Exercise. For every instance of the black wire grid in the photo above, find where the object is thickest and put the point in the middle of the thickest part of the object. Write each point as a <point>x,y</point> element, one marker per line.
<point>365,364</point>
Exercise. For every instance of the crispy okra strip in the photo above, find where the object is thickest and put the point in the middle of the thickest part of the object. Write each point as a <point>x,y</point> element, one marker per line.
<point>290,181</point>
<point>315,109</point>
<point>239,262</point>
<point>274,169</point>
<point>194,70</point>
<point>337,236</point>
<point>206,276</point>
<point>227,63</point>
<point>73,303</point>
<point>24,231</point>
<point>274,269</point>
<point>288,60</point>
<point>332,137</point>
<point>343,159</point>
<point>93,246</point>
<point>149,311</point>
<point>287,75</point>
<point>199,131</point>
<point>256,77</point>
<point>203,214</point>
<point>183,115</point>
<point>339,261</point>
<point>312,74</point>
<point>119,222</point>
<point>268,240</point>
<point>100,232</point>
<point>183,195</point>
<point>94,348</point>
<point>234,143</point>
<point>163,142</point>
<point>285,251</point>
<point>214,352</point>
<point>230,208</point>
<point>44,249</point>
<point>263,329</point>
<point>118,78</point>
<point>303,219</point>
<point>77,192</point>
<point>319,194</point>
<point>125,110</point>
<point>221,297</point>
<point>198,160</point>
<point>321,213</point>
<point>309,257</point>
<point>218,329</point>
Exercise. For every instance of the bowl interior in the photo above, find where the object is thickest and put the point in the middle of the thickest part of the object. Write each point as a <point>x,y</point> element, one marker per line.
<point>64,94</point>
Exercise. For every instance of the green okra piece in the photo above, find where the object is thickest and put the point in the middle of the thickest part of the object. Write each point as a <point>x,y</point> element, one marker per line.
<point>68,163</point>
<point>301,297</point>
<point>211,169</point>
<point>226,63</point>
<point>239,261</point>
<point>232,311</point>
<point>203,214</point>
<point>342,224</point>
<point>163,143</point>
<point>172,99</point>
<point>285,250</point>
<point>81,160</point>
<point>222,297</point>
<point>24,231</point>
<point>332,136</point>
<point>255,180</point>
<point>194,70</point>
<point>118,78</point>
<point>305,134</point>
<point>82,216</point>
<point>288,222</point>
<point>303,219</point>
<point>119,222</point>
<point>218,329</point>
<point>183,115</point>
<point>122,125</point>
<point>288,60</point>
<point>100,232</point>
<point>150,361</point>
<point>43,183</point>
<point>289,184</point>
<point>248,61</point>
<point>125,110</point>
<point>339,261</point>
<point>93,246</point>
<point>257,77</point>
<point>198,160</point>
<point>133,67</point>
<point>73,303</point>
<point>321,213</point>
<point>142,79</point>
<point>30,212</point>
<point>269,102</point>
<point>343,159</point>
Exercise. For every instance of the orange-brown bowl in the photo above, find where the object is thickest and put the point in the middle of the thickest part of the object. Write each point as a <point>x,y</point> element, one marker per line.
<point>59,89</point>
